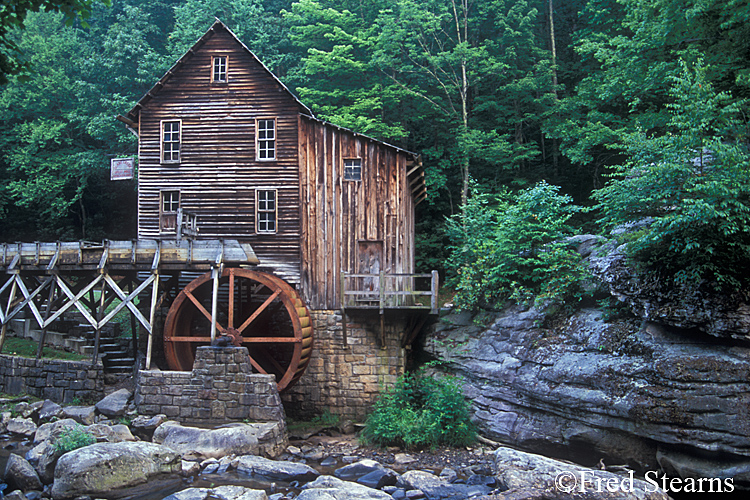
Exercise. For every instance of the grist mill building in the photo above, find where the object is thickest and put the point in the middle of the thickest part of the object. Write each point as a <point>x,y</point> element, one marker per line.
<point>329,300</point>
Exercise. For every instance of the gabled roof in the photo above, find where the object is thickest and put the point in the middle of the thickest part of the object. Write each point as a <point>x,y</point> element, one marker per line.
<point>133,113</point>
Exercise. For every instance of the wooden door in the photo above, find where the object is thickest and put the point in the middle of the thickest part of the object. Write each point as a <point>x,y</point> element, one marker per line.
<point>370,261</point>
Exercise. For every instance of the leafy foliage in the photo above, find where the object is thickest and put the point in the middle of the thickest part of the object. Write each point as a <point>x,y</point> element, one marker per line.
<point>513,247</point>
<point>691,187</point>
<point>421,411</point>
<point>72,438</point>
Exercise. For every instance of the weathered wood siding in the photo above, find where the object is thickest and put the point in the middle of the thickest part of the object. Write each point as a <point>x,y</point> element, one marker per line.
<point>218,172</point>
<point>338,214</point>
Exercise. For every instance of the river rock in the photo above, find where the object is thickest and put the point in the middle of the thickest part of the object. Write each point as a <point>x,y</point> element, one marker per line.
<point>194,443</point>
<point>437,488</point>
<point>115,404</point>
<point>103,467</point>
<point>144,427</point>
<point>333,488</point>
<point>4,419</point>
<point>44,455</point>
<point>49,410</point>
<point>20,474</point>
<point>85,415</point>
<point>589,390</point>
<point>379,478</point>
<point>354,471</point>
<point>273,470</point>
<point>111,433</point>
<point>22,426</point>
<point>523,473</point>
<point>229,492</point>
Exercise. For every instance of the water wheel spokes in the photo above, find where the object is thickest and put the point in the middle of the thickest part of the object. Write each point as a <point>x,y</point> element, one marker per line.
<point>272,320</point>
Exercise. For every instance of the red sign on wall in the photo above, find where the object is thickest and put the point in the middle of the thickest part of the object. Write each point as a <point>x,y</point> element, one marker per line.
<point>122,169</point>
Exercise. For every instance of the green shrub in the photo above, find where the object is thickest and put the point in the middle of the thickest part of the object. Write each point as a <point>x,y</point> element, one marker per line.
<point>421,411</point>
<point>513,248</point>
<point>73,438</point>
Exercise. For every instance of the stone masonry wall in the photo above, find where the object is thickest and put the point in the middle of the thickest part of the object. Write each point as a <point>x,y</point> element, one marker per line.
<point>57,380</point>
<point>220,389</point>
<point>346,379</point>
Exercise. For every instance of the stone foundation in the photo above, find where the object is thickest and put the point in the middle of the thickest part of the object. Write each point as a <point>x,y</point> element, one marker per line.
<point>220,389</point>
<point>57,380</point>
<point>346,378</point>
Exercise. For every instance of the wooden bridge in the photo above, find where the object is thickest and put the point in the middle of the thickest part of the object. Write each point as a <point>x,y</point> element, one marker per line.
<point>48,278</point>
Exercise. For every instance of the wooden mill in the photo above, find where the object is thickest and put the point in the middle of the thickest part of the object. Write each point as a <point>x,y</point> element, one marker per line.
<point>228,157</point>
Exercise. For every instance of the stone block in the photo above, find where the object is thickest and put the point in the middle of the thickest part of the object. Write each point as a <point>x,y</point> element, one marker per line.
<point>171,411</point>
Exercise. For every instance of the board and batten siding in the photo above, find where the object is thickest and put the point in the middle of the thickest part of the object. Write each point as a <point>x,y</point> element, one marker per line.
<point>218,172</point>
<point>338,214</point>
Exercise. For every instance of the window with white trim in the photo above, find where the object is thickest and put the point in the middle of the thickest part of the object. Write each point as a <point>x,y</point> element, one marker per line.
<point>353,169</point>
<point>265,210</point>
<point>265,139</point>
<point>219,70</point>
<point>171,139</point>
<point>168,207</point>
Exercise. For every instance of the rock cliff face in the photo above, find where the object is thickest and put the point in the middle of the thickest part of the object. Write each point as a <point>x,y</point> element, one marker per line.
<point>632,391</point>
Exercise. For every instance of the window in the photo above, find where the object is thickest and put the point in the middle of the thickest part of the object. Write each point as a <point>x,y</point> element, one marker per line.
<point>353,169</point>
<point>266,139</point>
<point>265,210</point>
<point>219,72</point>
<point>170,204</point>
<point>171,132</point>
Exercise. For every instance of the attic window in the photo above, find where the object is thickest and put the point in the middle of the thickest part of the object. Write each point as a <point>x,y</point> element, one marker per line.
<point>353,169</point>
<point>219,72</point>
<point>171,135</point>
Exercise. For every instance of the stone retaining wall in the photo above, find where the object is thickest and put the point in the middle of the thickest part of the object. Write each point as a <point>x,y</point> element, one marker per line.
<point>345,378</point>
<point>220,389</point>
<point>57,380</point>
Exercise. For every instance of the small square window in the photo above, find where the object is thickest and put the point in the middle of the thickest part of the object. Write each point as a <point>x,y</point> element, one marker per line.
<point>171,138</point>
<point>266,139</point>
<point>265,210</point>
<point>353,169</point>
<point>219,72</point>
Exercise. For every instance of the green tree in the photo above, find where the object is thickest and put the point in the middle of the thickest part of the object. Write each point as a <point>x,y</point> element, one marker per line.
<point>689,188</point>
<point>13,16</point>
<point>513,247</point>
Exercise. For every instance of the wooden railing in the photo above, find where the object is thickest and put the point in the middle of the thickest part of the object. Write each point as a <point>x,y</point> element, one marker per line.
<point>390,291</point>
<point>187,224</point>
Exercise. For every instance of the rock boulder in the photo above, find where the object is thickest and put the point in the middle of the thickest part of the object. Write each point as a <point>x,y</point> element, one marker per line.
<point>103,467</point>
<point>587,389</point>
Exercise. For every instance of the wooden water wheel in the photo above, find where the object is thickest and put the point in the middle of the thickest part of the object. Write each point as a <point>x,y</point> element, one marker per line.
<point>274,323</point>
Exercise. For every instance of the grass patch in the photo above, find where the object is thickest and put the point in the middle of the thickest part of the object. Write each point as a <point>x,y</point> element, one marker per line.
<point>73,438</point>
<point>26,348</point>
<point>324,420</point>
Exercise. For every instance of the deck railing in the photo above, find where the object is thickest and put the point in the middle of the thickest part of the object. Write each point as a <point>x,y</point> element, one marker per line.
<point>389,291</point>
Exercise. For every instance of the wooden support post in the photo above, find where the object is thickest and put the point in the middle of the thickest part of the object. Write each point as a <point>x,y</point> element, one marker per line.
<point>214,302</point>
<point>217,269</point>
<point>99,316</point>
<point>11,298</point>
<point>343,309</point>
<point>434,288</point>
<point>381,285</point>
<point>47,310</point>
<point>133,326</point>
<point>152,316</point>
